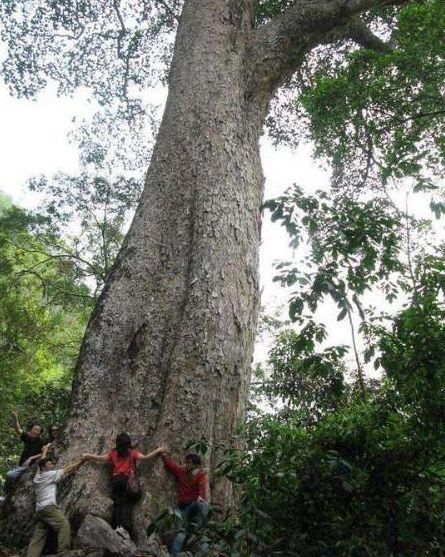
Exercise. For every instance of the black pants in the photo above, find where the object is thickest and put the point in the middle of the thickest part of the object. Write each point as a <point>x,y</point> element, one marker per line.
<point>122,504</point>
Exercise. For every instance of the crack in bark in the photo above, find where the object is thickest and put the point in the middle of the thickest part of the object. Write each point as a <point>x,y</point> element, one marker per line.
<point>135,345</point>
<point>169,345</point>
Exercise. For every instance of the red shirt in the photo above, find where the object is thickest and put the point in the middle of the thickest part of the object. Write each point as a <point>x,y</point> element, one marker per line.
<point>126,465</point>
<point>190,485</point>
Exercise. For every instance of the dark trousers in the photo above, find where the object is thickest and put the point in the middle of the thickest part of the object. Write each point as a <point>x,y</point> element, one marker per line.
<point>194,512</point>
<point>122,504</point>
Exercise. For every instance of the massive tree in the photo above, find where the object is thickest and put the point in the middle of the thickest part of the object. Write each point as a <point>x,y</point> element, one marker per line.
<point>168,349</point>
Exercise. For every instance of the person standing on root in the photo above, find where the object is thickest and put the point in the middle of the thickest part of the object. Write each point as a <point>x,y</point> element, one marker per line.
<point>123,459</point>
<point>48,516</point>
<point>33,444</point>
<point>192,496</point>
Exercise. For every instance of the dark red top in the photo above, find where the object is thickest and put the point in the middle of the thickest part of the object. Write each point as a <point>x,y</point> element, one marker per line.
<point>33,446</point>
<point>190,485</point>
<point>125,466</point>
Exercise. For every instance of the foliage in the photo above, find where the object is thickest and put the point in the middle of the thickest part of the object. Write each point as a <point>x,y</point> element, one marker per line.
<point>354,244</point>
<point>334,470</point>
<point>43,313</point>
<point>365,479</point>
<point>308,383</point>
<point>376,114</point>
<point>108,48</point>
<point>268,9</point>
<point>90,213</point>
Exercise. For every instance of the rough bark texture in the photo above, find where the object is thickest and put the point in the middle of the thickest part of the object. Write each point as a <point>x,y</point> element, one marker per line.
<point>168,349</point>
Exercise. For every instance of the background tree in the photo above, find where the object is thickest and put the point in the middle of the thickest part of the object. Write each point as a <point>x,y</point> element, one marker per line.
<point>90,213</point>
<point>176,319</point>
<point>43,314</point>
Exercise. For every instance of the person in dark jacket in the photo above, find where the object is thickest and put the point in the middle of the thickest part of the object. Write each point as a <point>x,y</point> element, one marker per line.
<point>33,444</point>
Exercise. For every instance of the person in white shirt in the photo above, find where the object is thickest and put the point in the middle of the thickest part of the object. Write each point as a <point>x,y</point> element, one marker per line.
<point>48,515</point>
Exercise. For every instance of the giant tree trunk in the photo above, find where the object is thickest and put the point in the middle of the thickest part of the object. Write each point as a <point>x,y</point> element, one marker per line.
<point>168,350</point>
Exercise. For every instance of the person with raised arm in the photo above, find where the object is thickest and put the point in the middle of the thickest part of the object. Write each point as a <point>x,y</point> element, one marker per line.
<point>33,444</point>
<point>48,516</point>
<point>123,459</point>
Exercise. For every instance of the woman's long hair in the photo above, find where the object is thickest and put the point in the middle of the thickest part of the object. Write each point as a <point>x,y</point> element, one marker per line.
<point>123,444</point>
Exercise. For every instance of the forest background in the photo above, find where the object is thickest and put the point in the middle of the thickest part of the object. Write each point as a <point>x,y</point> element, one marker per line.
<point>355,457</point>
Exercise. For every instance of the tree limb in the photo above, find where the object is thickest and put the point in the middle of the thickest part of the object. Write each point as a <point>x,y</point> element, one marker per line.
<point>123,30</point>
<point>116,7</point>
<point>280,45</point>
<point>168,9</point>
<point>357,31</point>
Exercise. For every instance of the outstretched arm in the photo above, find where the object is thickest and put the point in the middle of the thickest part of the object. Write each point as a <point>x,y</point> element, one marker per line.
<point>44,452</point>
<point>88,457</point>
<point>151,455</point>
<point>71,468</point>
<point>172,466</point>
<point>16,425</point>
<point>37,457</point>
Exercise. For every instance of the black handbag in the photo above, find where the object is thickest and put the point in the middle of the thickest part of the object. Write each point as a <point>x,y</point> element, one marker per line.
<point>134,488</point>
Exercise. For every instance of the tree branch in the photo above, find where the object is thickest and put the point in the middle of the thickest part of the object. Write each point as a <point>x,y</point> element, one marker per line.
<point>123,30</point>
<point>116,7</point>
<point>357,31</point>
<point>280,45</point>
<point>168,9</point>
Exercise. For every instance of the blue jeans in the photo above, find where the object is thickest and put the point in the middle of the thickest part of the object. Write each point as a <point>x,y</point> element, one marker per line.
<point>12,476</point>
<point>194,512</point>
<point>15,473</point>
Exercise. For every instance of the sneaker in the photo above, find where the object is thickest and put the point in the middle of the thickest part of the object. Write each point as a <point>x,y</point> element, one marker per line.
<point>120,530</point>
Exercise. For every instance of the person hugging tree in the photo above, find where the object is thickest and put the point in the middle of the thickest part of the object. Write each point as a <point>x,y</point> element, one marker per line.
<point>123,459</point>
<point>48,516</point>
<point>192,496</point>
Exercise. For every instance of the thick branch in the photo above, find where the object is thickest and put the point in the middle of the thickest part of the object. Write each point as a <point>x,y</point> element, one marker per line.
<point>360,33</point>
<point>280,45</point>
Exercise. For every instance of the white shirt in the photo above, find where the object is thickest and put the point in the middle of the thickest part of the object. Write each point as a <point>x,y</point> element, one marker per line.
<point>46,487</point>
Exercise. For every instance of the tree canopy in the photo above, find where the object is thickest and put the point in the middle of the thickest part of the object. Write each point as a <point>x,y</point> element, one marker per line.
<point>374,112</point>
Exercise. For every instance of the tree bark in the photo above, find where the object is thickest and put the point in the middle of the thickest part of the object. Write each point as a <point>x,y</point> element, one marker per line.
<point>168,349</point>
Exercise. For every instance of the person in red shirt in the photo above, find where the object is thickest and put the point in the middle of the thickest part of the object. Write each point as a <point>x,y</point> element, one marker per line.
<point>123,459</point>
<point>192,495</point>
